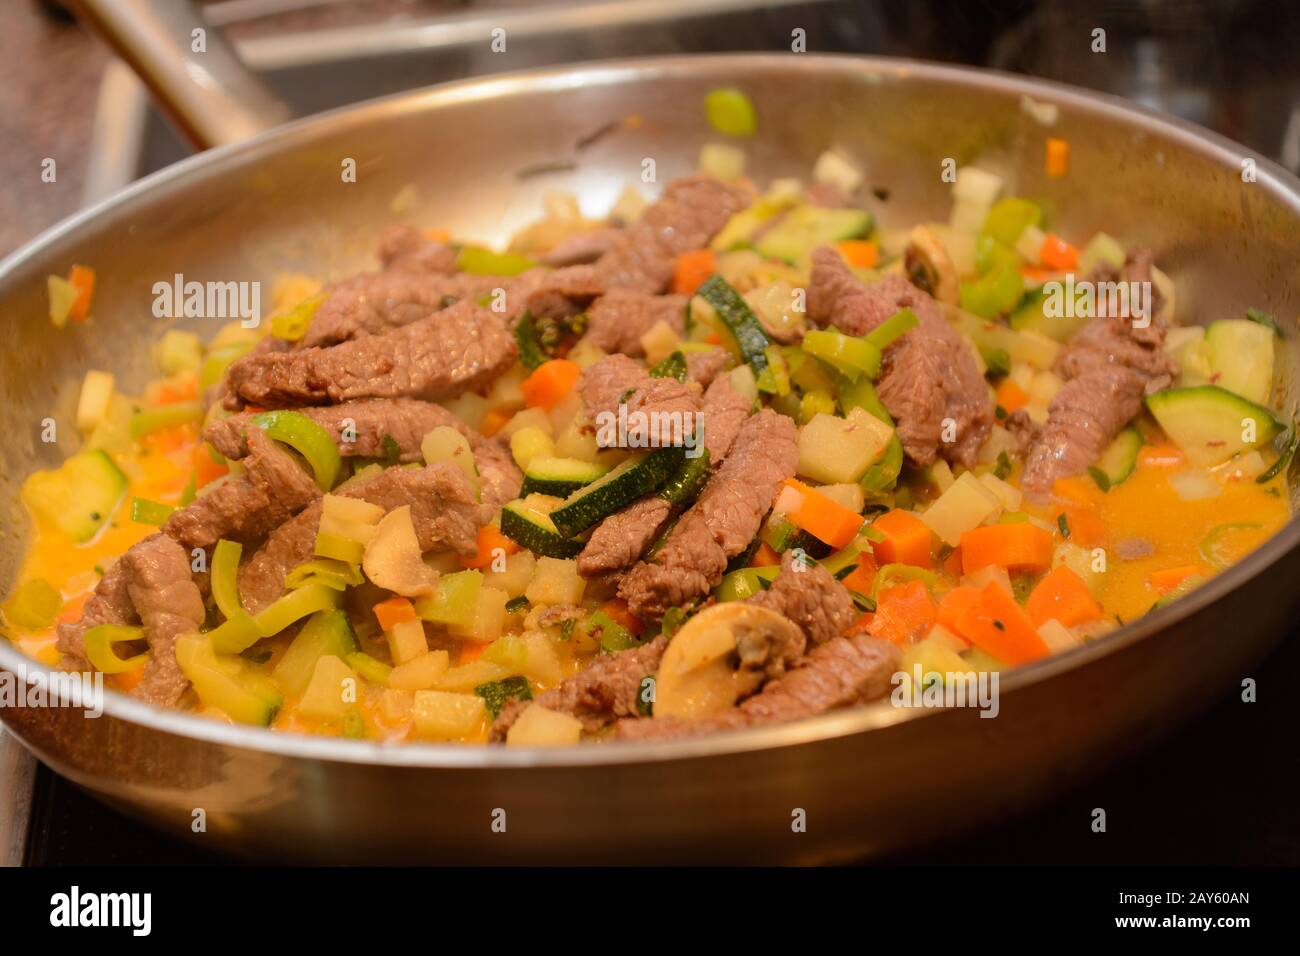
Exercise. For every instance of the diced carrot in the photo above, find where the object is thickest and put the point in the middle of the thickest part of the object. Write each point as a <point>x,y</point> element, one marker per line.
<point>494,421</point>
<point>164,441</point>
<point>764,556</point>
<point>903,613</point>
<point>822,517</point>
<point>1079,490</point>
<point>952,563</point>
<point>1166,579</point>
<point>549,383</point>
<point>1062,595</point>
<point>907,539</point>
<point>394,611</point>
<point>1087,529</point>
<point>1021,546</point>
<point>169,391</point>
<point>859,253</point>
<point>1159,456</point>
<point>713,338</point>
<point>1035,274</point>
<point>490,539</point>
<point>206,468</point>
<point>470,651</point>
<point>691,269</point>
<point>862,625</point>
<point>1011,396</point>
<point>616,609</point>
<point>83,280</point>
<point>72,610</point>
<point>997,624</point>
<point>862,577</point>
<point>1056,253</point>
<point>437,235</point>
<point>1057,161</point>
<point>953,604</point>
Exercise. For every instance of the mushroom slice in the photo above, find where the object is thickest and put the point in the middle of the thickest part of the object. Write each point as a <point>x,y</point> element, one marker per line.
<point>392,558</point>
<point>721,656</point>
<point>929,267</point>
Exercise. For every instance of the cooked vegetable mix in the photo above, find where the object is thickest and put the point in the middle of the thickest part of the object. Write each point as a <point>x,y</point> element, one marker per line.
<point>665,474</point>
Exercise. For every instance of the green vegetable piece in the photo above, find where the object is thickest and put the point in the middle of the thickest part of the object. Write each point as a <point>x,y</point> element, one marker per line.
<point>497,693</point>
<point>731,112</point>
<point>34,605</point>
<point>674,366</point>
<point>307,438</point>
<point>484,262</point>
<point>99,641</point>
<point>292,325</point>
<point>739,319</point>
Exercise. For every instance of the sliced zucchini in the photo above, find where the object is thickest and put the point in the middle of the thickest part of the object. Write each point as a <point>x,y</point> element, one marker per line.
<point>637,476</point>
<point>739,319</point>
<point>326,633</point>
<point>534,530</point>
<point>1211,424</point>
<point>226,682</point>
<point>79,496</point>
<point>1118,460</point>
<point>674,366</point>
<point>1241,357</point>
<point>548,475</point>
<point>688,480</point>
<point>804,228</point>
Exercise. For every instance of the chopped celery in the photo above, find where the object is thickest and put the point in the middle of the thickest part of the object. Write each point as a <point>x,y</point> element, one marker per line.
<point>484,262</point>
<point>339,548</point>
<point>991,254</point>
<point>775,379</point>
<point>165,416</point>
<point>731,112</point>
<point>998,291</point>
<point>178,351</point>
<point>144,511</point>
<point>376,672</point>
<point>34,605</point>
<point>1009,217</point>
<point>99,641</point>
<point>225,583</point>
<point>813,404</point>
<point>456,602</point>
<point>745,582</point>
<point>218,360</point>
<point>893,328</point>
<point>307,438</point>
<point>611,635</point>
<point>892,574</point>
<point>225,682</point>
<point>327,633</point>
<point>1101,248</point>
<point>849,355</point>
<point>330,572</point>
<point>292,325</point>
<point>236,634</point>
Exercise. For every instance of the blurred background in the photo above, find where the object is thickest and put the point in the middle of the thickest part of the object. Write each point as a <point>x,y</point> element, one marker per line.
<point>1226,64</point>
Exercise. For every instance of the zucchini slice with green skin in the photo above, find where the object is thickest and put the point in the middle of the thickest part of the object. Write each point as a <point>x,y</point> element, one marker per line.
<point>1211,424</point>
<point>1241,357</point>
<point>688,480</point>
<point>630,480</point>
<point>561,477</point>
<point>78,497</point>
<point>1119,459</point>
<point>739,319</point>
<point>535,531</point>
<point>804,228</point>
<point>674,366</point>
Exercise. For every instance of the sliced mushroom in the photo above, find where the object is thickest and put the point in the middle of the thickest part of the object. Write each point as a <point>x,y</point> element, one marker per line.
<point>392,558</point>
<point>722,655</point>
<point>929,267</point>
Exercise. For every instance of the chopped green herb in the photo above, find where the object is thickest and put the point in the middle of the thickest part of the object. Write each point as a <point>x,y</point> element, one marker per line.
<point>496,693</point>
<point>999,412</point>
<point>1003,466</point>
<point>674,366</point>
<point>845,571</point>
<point>998,362</point>
<point>862,602</point>
<point>999,625</point>
<point>566,628</point>
<point>531,353</point>
<point>517,604</point>
<point>1063,523</point>
<point>392,450</point>
<point>1100,477</point>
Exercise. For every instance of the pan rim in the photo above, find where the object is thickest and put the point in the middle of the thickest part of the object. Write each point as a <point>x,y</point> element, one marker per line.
<point>1280,185</point>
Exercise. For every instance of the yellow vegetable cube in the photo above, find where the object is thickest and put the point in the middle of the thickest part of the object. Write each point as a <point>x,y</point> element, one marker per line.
<point>406,641</point>
<point>965,505</point>
<point>539,727</point>
<point>439,715</point>
<point>332,690</point>
<point>556,581</point>
<point>835,450</point>
<point>421,672</point>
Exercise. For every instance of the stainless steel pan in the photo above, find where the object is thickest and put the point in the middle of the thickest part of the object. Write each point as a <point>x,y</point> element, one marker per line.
<point>868,781</point>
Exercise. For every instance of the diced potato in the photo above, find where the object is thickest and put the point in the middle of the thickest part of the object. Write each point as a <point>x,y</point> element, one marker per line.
<point>1057,636</point>
<point>941,474</point>
<point>539,727</point>
<point>444,562</point>
<point>514,579</point>
<point>743,381</point>
<point>421,673</point>
<point>835,450</point>
<point>505,394</point>
<point>941,635</point>
<point>96,393</point>
<point>565,410</point>
<point>439,715</point>
<point>850,495</point>
<point>406,641</point>
<point>1009,495</point>
<point>722,161</point>
<point>331,690</point>
<point>528,443</point>
<point>541,661</point>
<point>444,443</point>
<point>977,184</point>
<point>934,657</point>
<point>629,205</point>
<point>349,510</point>
<point>1000,441</point>
<point>991,574</point>
<point>537,418</point>
<point>1030,244</point>
<point>465,677</point>
<point>489,616</point>
<point>1044,387</point>
<point>471,408</point>
<point>660,342</point>
<point>395,705</point>
<point>556,581</point>
<point>1079,560</point>
<point>833,169</point>
<point>966,505</point>
<point>577,440</point>
<point>586,353</point>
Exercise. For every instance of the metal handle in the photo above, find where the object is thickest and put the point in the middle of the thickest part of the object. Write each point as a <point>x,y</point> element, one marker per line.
<point>207,92</point>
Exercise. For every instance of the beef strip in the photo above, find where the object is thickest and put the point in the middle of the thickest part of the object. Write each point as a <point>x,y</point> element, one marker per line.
<point>562,292</point>
<point>1109,366</point>
<point>406,421</point>
<point>459,349</point>
<point>618,319</point>
<point>168,604</point>
<point>928,375</point>
<point>623,537</point>
<point>724,411</point>
<point>842,672</point>
<point>721,523</point>
<point>606,689</point>
<point>405,248</point>
<point>443,509</point>
<point>247,508</point>
<point>811,597</point>
<point>109,604</point>
<point>582,248</point>
<point>618,380</point>
<point>704,367</point>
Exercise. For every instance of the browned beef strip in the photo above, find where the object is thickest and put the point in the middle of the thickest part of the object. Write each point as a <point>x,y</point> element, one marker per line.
<point>247,508</point>
<point>582,248</point>
<point>373,303</point>
<point>724,411</point>
<point>842,672</point>
<point>109,604</point>
<point>618,319</point>
<point>406,421</point>
<point>704,367</point>
<point>811,597</point>
<point>605,690</point>
<point>168,604</point>
<point>618,380</point>
<point>690,212</point>
<point>721,523</point>
<point>561,292</point>
<point>1109,365</point>
<point>443,509</point>
<point>623,537</point>
<point>406,248</point>
<point>454,351</point>
<point>928,376</point>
